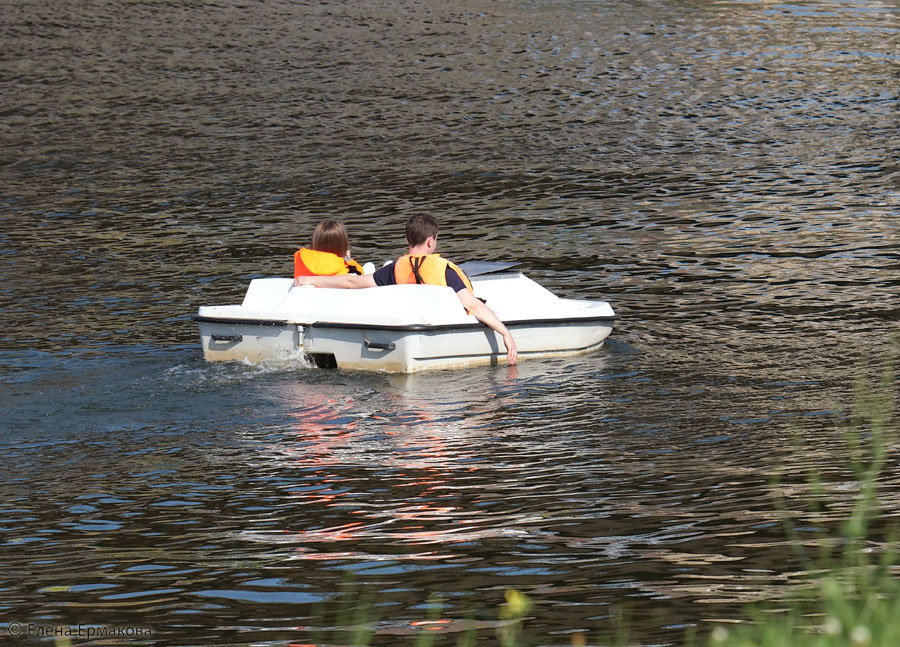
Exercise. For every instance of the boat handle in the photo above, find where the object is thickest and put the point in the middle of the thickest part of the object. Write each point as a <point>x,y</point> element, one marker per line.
<point>235,338</point>
<point>380,345</point>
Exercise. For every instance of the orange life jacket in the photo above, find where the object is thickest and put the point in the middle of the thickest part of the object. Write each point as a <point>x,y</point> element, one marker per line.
<point>430,269</point>
<point>311,262</point>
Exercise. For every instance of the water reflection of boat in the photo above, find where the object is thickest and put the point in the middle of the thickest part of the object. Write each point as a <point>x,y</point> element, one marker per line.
<point>400,328</point>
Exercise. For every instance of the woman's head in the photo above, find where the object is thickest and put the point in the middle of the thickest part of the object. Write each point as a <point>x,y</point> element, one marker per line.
<point>330,236</point>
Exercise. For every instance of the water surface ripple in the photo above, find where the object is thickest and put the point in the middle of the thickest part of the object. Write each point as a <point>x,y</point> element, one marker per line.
<point>726,174</point>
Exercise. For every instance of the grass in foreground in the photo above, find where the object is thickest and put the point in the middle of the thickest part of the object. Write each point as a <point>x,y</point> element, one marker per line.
<point>854,597</point>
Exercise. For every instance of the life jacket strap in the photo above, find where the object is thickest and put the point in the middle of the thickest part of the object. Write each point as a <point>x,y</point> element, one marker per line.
<point>416,262</point>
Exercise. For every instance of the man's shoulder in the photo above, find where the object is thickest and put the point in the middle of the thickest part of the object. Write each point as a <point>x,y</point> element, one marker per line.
<point>454,278</point>
<point>385,275</point>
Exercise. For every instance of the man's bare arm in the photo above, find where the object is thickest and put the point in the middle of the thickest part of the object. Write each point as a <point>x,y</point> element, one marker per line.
<point>345,281</point>
<point>486,316</point>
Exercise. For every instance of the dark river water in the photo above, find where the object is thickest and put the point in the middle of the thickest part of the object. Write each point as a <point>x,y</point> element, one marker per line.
<point>726,174</point>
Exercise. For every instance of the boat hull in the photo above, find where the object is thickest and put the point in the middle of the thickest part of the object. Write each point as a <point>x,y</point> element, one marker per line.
<point>397,349</point>
<point>452,339</point>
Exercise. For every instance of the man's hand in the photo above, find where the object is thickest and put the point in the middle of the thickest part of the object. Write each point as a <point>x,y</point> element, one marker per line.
<point>512,353</point>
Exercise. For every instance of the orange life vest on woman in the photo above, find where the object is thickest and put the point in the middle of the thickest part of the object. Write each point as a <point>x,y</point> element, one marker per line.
<point>430,269</point>
<point>311,262</point>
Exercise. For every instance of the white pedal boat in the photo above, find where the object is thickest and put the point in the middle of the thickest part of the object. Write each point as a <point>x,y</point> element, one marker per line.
<point>400,328</point>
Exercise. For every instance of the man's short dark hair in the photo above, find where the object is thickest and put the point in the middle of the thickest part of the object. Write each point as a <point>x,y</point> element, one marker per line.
<point>419,228</point>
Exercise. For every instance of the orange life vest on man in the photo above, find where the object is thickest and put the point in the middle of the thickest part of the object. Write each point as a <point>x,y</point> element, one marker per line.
<point>430,269</point>
<point>312,262</point>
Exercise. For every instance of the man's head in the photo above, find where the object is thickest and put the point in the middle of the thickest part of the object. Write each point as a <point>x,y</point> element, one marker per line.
<point>419,228</point>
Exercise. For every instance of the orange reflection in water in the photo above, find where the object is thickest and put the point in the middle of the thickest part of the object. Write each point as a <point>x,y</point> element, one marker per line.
<point>416,447</point>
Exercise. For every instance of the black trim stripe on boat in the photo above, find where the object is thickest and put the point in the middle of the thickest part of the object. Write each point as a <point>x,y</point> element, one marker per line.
<point>465,326</point>
<point>241,322</point>
<point>523,353</point>
<point>407,327</point>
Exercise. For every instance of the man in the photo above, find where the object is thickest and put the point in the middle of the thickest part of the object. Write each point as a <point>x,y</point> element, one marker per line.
<point>422,265</point>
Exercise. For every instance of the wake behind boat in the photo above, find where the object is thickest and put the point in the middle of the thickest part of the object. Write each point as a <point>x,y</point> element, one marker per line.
<point>401,328</point>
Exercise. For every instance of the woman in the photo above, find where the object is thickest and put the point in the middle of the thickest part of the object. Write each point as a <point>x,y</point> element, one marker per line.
<point>328,253</point>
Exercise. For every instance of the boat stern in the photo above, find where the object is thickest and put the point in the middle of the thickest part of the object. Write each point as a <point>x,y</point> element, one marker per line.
<point>225,339</point>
